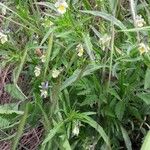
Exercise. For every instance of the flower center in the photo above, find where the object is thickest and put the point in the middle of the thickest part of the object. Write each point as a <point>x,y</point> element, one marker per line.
<point>61,7</point>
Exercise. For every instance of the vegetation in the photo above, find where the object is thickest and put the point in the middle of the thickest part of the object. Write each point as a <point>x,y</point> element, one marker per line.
<point>80,70</point>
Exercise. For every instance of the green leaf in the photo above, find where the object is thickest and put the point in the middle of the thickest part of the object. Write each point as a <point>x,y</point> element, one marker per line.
<point>126,139</point>
<point>97,127</point>
<point>15,91</point>
<point>71,79</point>
<point>89,46</point>
<point>90,68</point>
<point>53,132</point>
<point>20,128</point>
<point>146,144</point>
<point>9,109</point>
<point>107,17</point>
<point>145,97</point>
<point>4,122</point>
<point>119,110</point>
<point>147,79</point>
<point>51,30</point>
<point>114,93</point>
<point>48,54</point>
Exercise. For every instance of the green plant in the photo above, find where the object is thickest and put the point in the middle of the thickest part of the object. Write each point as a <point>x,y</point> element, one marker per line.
<point>82,74</point>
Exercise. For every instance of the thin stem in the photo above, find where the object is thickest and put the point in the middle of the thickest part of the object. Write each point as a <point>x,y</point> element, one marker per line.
<point>133,12</point>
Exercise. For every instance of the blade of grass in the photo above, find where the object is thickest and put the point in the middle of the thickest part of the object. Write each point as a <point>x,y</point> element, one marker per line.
<point>20,128</point>
<point>18,71</point>
<point>48,54</point>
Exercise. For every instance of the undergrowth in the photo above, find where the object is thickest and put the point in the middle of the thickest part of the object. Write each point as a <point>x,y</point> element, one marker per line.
<point>80,69</point>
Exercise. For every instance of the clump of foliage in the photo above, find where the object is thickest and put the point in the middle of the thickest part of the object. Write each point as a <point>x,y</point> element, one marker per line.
<point>86,71</point>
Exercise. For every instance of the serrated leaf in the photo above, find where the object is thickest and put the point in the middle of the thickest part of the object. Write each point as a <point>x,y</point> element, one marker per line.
<point>90,100</point>
<point>9,109</point>
<point>15,91</point>
<point>147,79</point>
<point>119,110</point>
<point>145,97</point>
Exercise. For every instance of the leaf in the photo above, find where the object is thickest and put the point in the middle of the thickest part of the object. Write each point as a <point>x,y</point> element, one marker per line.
<point>4,122</point>
<point>145,97</point>
<point>53,132</point>
<point>107,17</point>
<point>48,54</point>
<point>147,79</point>
<point>15,91</point>
<point>119,110</point>
<point>96,126</point>
<point>9,109</point>
<point>20,128</point>
<point>89,100</point>
<point>126,139</point>
<point>91,68</point>
<point>89,46</point>
<point>20,67</point>
<point>51,30</point>
<point>114,93</point>
<point>146,144</point>
<point>71,79</point>
<point>87,71</point>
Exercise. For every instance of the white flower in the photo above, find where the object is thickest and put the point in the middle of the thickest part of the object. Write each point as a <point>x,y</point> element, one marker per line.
<point>143,48</point>
<point>76,128</point>
<point>4,10</point>
<point>80,50</point>
<point>139,21</point>
<point>44,87</point>
<point>105,41</point>
<point>61,6</point>
<point>43,58</point>
<point>44,93</point>
<point>3,38</point>
<point>75,131</point>
<point>55,73</point>
<point>37,71</point>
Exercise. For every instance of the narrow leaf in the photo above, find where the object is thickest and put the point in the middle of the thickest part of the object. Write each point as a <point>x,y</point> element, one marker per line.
<point>147,79</point>
<point>146,144</point>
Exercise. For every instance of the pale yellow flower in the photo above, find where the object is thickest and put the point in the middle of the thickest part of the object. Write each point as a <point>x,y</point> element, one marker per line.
<point>43,58</point>
<point>44,89</point>
<point>4,10</point>
<point>37,71</point>
<point>139,21</point>
<point>80,50</point>
<point>3,38</point>
<point>105,41</point>
<point>44,93</point>
<point>76,128</point>
<point>143,48</point>
<point>61,6</point>
<point>76,131</point>
<point>55,73</point>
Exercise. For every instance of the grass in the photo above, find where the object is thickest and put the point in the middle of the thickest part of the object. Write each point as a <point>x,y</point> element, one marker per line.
<point>82,76</point>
